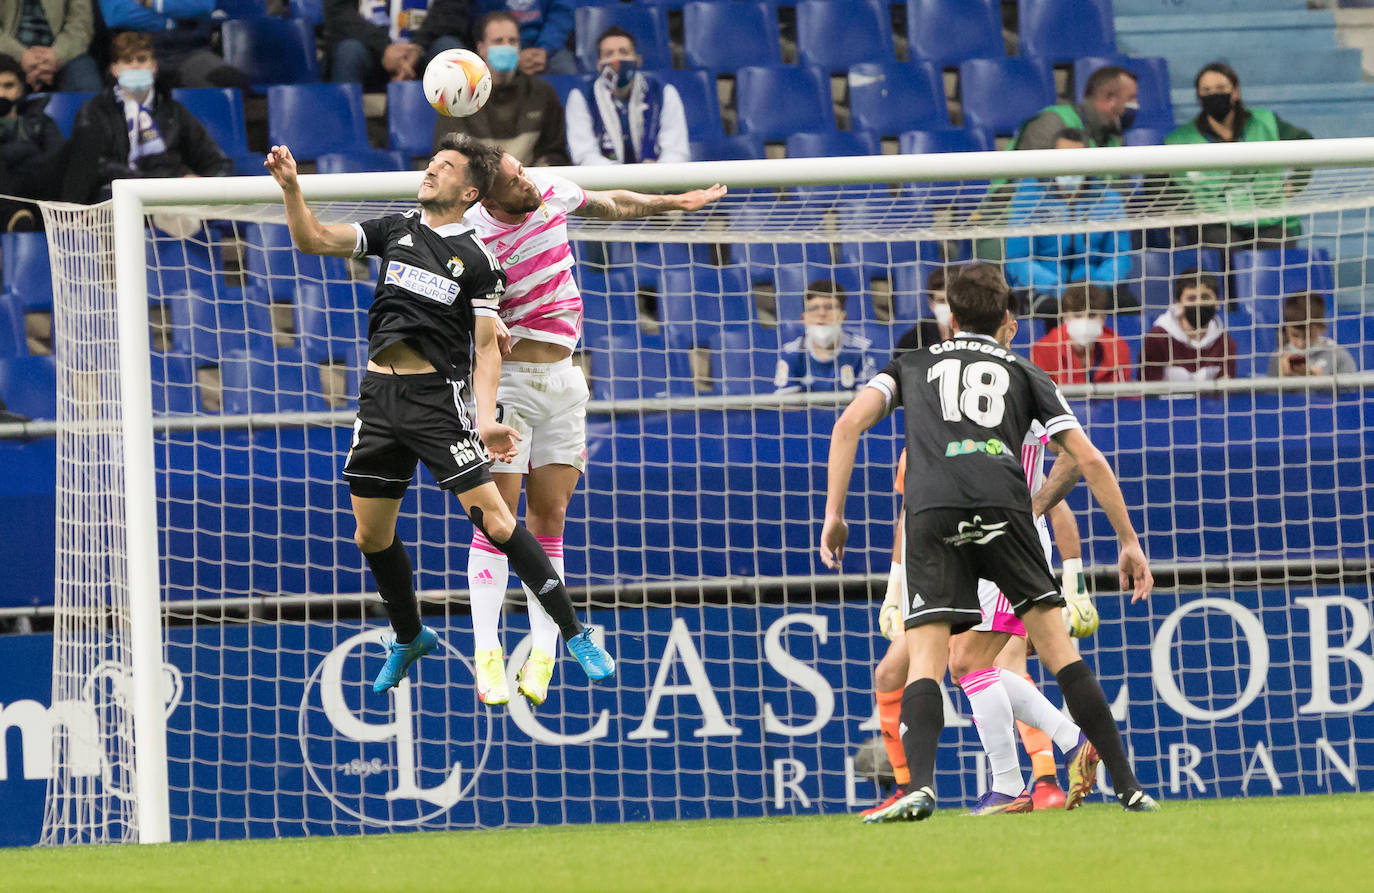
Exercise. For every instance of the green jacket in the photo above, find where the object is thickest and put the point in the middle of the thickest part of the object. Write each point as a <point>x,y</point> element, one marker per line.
<point>1239,190</point>
<point>1073,119</point>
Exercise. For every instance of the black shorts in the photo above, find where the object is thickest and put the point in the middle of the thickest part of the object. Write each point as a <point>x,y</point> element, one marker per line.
<point>402,418</point>
<point>949,550</point>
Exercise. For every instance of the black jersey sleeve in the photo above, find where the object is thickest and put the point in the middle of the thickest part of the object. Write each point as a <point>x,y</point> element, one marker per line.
<point>1048,405</point>
<point>373,235</point>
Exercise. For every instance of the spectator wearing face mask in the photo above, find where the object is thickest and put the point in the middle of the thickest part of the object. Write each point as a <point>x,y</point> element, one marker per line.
<point>1109,106</point>
<point>1082,349</point>
<point>1304,348</point>
<point>545,26</point>
<point>1044,265</point>
<point>30,149</point>
<point>1188,341</point>
<point>523,115</point>
<point>826,357</point>
<point>625,116</point>
<point>1224,118</point>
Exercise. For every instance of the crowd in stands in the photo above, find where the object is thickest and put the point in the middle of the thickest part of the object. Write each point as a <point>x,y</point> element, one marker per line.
<point>621,109</point>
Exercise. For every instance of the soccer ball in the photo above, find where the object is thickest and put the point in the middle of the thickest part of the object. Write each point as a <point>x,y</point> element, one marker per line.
<point>457,83</point>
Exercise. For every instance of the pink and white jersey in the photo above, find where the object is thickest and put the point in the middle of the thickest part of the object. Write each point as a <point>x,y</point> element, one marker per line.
<point>541,302</point>
<point>1033,457</point>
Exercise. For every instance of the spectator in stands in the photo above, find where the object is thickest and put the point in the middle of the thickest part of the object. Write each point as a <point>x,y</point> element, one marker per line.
<point>937,328</point>
<point>1082,348</point>
<point>51,39</point>
<point>1304,347</point>
<point>625,116</point>
<point>826,357</point>
<point>1187,342</point>
<point>368,47</point>
<point>30,149</point>
<point>167,140</point>
<point>1224,118</point>
<point>1108,108</point>
<point>523,115</point>
<point>545,26</point>
<point>1043,265</point>
<point>183,33</point>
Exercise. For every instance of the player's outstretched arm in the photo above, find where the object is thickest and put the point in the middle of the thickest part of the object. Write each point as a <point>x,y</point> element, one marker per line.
<point>863,413</point>
<point>1063,477</point>
<point>622,204</point>
<point>1135,571</point>
<point>307,232</point>
<point>486,375</point>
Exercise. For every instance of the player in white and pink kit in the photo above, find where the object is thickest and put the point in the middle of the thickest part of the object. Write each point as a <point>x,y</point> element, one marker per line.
<point>523,221</point>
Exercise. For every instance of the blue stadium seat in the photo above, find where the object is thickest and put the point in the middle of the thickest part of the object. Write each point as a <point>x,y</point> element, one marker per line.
<point>1065,29</point>
<point>13,341</point>
<point>241,9</point>
<point>735,147</point>
<point>310,10</point>
<point>314,119</point>
<point>721,37</point>
<point>608,298</point>
<point>1144,136</point>
<point>1159,269</point>
<point>884,260</point>
<point>778,101</point>
<point>207,329</point>
<point>1264,278</point>
<point>1000,94</point>
<point>177,265</point>
<point>793,279</point>
<point>933,142</point>
<point>409,118</point>
<point>648,25</point>
<point>331,330</point>
<point>563,84</point>
<point>700,101</point>
<point>362,161</point>
<point>1152,79</point>
<point>909,291</point>
<point>829,143</point>
<point>891,98</point>
<point>29,386</point>
<point>252,383</point>
<point>696,296</point>
<point>220,109</point>
<point>271,262</point>
<point>950,31</point>
<point>62,108</point>
<point>272,50</point>
<point>24,270</point>
<point>746,359</point>
<point>175,390</point>
<point>629,365</point>
<point>835,34</point>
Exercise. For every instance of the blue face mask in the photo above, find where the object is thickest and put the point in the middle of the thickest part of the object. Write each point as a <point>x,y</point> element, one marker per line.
<point>136,80</point>
<point>503,58</point>
<point>620,73</point>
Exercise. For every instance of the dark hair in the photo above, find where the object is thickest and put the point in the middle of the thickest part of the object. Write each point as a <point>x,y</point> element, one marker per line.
<point>1195,278</point>
<point>1220,68</point>
<point>1105,78</point>
<point>936,279</point>
<point>824,288</point>
<point>483,160</point>
<point>479,33</point>
<point>1072,134</point>
<point>1084,298</point>
<point>127,44</point>
<point>11,64</point>
<point>979,298</point>
<point>616,31</point>
<point>1304,307</point>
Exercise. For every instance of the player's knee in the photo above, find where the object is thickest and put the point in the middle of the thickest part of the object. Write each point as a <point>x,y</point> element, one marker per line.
<point>370,540</point>
<point>959,664</point>
<point>547,518</point>
<point>889,676</point>
<point>496,521</point>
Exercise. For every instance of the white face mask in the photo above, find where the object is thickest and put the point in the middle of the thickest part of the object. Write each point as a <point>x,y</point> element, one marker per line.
<point>1083,330</point>
<point>943,316</point>
<point>1069,182</point>
<point>823,337</point>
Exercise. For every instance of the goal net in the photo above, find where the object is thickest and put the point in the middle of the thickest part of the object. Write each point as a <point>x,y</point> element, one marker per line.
<point>216,628</point>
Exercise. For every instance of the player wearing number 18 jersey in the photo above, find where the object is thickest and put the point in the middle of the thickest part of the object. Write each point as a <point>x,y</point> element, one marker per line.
<point>968,405</point>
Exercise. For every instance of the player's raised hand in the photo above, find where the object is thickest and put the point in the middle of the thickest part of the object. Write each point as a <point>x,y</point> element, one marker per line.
<point>700,198</point>
<point>282,166</point>
<point>1135,572</point>
<point>503,337</point>
<point>500,440</point>
<point>834,535</point>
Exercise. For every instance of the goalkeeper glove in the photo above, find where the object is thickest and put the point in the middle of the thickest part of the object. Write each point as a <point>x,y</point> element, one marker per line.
<point>890,614</point>
<point>1080,616</point>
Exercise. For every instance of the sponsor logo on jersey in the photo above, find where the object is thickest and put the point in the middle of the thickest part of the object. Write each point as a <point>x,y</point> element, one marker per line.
<point>976,532</point>
<point>421,282</point>
<point>992,447</point>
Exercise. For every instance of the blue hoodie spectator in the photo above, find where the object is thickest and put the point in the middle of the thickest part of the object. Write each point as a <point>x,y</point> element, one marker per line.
<point>183,33</point>
<point>544,29</point>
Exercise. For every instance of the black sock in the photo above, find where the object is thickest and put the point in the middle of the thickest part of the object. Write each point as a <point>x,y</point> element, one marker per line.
<point>923,718</point>
<point>391,568</point>
<point>532,566</point>
<point>1088,706</point>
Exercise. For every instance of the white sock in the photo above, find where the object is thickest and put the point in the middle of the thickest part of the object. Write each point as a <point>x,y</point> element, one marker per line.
<point>488,573</point>
<point>993,716</point>
<point>544,633</point>
<point>1034,709</point>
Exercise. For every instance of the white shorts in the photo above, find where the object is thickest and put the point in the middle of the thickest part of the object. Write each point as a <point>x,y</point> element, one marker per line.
<point>547,404</point>
<point>998,616</point>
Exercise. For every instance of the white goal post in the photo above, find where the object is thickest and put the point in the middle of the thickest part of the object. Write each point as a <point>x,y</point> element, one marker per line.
<point>131,593</point>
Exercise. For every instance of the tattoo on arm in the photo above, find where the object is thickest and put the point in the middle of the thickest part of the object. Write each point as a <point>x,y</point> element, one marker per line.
<point>622,204</point>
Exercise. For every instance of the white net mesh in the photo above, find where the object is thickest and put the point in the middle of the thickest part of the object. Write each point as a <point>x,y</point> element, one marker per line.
<point>745,679</point>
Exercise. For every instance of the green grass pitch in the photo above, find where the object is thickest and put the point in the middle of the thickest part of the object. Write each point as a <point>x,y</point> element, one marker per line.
<point>1275,844</point>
